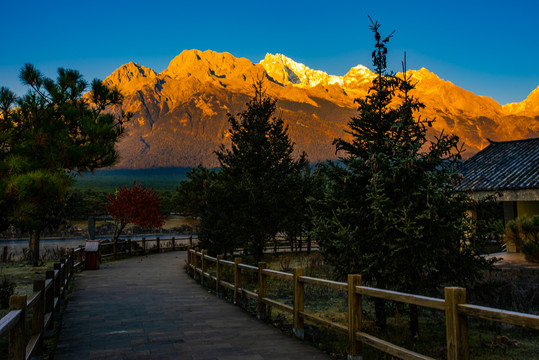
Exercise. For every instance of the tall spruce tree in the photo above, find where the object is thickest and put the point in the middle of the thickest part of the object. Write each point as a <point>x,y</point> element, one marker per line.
<point>253,194</point>
<point>391,212</point>
<point>52,133</point>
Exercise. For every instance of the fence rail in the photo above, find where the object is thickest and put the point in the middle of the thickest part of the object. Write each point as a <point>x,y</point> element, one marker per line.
<point>38,309</point>
<point>143,246</point>
<point>453,305</point>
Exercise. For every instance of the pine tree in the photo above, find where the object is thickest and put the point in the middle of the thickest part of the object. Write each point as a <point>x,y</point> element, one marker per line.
<point>190,196</point>
<point>52,133</point>
<point>391,212</point>
<point>256,180</point>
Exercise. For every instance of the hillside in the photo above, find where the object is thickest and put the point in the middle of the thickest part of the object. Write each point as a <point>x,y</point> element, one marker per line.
<point>180,114</point>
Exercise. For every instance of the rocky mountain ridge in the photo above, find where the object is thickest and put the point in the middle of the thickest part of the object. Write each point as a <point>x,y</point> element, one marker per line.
<point>180,114</point>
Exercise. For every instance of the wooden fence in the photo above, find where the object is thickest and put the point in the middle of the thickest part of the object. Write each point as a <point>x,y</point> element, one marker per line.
<point>454,305</point>
<point>38,309</point>
<point>143,246</point>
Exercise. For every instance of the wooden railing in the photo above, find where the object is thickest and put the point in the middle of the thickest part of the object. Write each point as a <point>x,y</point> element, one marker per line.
<point>454,305</point>
<point>42,305</point>
<point>143,246</point>
<point>48,293</point>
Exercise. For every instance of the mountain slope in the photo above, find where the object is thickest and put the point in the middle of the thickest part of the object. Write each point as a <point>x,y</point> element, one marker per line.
<point>180,114</point>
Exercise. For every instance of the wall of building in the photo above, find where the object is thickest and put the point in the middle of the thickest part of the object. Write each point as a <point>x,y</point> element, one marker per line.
<point>527,208</point>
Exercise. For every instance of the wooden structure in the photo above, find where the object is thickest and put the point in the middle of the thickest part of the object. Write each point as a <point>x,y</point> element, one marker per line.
<point>454,305</point>
<point>38,309</point>
<point>509,170</point>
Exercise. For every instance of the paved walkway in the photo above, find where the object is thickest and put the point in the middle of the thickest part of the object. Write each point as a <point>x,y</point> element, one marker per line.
<point>515,261</point>
<point>148,308</point>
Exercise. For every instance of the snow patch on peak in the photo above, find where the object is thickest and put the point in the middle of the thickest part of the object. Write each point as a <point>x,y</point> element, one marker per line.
<point>421,74</point>
<point>287,71</point>
<point>360,68</point>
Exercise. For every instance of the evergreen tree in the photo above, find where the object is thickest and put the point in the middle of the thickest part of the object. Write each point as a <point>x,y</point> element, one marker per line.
<point>256,181</point>
<point>53,132</point>
<point>391,212</point>
<point>190,196</point>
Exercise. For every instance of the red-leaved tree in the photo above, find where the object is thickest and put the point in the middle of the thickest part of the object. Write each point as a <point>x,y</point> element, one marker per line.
<point>134,205</point>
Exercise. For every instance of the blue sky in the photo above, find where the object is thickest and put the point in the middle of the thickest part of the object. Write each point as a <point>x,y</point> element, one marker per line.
<point>488,47</point>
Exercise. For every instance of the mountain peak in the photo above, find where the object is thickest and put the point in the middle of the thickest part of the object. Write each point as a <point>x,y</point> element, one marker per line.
<point>529,105</point>
<point>129,76</point>
<point>289,72</point>
<point>205,65</point>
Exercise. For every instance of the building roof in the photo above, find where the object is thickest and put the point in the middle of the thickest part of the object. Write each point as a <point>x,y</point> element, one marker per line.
<point>504,165</point>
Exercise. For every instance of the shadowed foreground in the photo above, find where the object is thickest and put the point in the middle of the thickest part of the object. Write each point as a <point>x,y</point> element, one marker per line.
<point>148,308</point>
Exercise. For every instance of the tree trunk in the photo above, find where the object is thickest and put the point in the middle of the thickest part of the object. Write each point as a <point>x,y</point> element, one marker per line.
<point>34,246</point>
<point>308,240</point>
<point>300,245</point>
<point>414,322</point>
<point>118,231</point>
<point>258,247</point>
<point>380,309</point>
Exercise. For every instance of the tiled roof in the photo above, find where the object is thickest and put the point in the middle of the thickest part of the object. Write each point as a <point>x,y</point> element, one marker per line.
<point>507,165</point>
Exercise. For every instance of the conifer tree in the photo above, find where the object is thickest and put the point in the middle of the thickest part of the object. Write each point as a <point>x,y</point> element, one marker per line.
<point>190,196</point>
<point>256,180</point>
<point>391,212</point>
<point>52,133</point>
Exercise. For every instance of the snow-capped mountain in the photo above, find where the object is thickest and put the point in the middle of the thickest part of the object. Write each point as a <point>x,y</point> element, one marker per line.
<point>180,114</point>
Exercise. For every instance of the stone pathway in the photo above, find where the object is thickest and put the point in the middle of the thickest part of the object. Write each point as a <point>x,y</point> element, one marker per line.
<point>148,308</point>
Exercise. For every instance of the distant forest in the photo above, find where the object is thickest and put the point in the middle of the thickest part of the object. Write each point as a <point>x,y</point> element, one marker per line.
<point>161,179</point>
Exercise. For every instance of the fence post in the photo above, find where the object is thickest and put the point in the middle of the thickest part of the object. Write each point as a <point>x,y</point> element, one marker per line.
<point>202,266</point>
<point>79,255</point>
<point>189,262</point>
<point>456,324</point>
<point>158,241</point>
<point>191,241</point>
<point>143,246</point>
<point>355,348</point>
<point>261,307</point>
<point>173,244</point>
<point>129,247</point>
<point>218,274</point>
<point>17,335</point>
<point>196,263</point>
<point>66,275</point>
<point>49,296</point>
<point>237,278</point>
<point>4,254</point>
<point>299,297</point>
<point>71,263</point>
<point>115,248</point>
<point>38,315</point>
<point>57,280</point>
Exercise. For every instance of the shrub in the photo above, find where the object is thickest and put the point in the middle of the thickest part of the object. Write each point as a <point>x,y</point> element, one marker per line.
<point>524,232</point>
